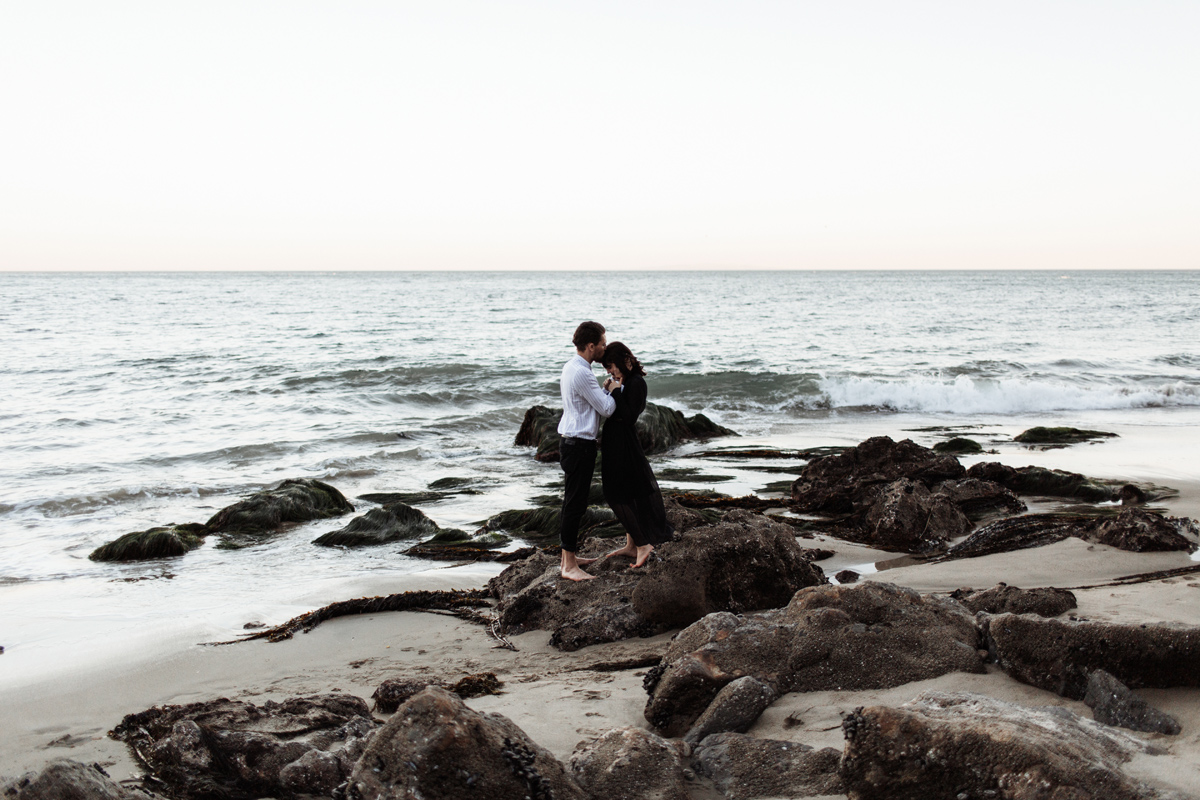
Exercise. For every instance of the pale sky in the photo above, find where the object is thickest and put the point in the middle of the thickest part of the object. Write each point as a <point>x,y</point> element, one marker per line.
<point>601,135</point>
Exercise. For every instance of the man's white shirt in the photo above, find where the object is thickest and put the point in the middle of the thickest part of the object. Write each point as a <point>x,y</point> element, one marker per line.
<point>584,402</point>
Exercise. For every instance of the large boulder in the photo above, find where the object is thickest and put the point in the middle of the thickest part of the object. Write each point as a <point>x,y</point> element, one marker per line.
<point>846,482</point>
<point>1005,599</point>
<point>64,779</point>
<point>233,748</point>
<point>977,498</point>
<point>381,525</point>
<point>735,708</point>
<point>294,500</point>
<point>972,746</point>
<point>868,636</point>
<point>162,542</point>
<point>436,748</point>
<point>629,764</point>
<point>1141,531</point>
<point>745,563</point>
<point>742,767</point>
<point>659,429</point>
<point>1060,655</point>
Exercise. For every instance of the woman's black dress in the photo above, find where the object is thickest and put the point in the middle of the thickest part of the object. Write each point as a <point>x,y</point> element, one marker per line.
<point>629,485</point>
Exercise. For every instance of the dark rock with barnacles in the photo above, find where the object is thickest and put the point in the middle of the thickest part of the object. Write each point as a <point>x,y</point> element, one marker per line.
<point>629,764</point>
<point>742,767</point>
<point>1005,599</point>
<point>1114,704</point>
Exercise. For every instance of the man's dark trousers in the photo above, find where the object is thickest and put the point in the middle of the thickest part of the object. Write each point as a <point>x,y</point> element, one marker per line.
<point>578,460</point>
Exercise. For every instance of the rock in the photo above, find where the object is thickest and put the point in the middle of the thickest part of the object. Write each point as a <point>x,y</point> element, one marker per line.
<point>742,767</point>
<point>1002,599</point>
<point>64,779</point>
<point>959,446</point>
<point>659,429</point>
<point>1141,531</point>
<point>845,482</point>
<point>744,563</point>
<point>1060,656</point>
<point>977,498</point>
<point>1044,482</point>
<point>299,500</point>
<point>394,692</point>
<point>906,516</point>
<point>735,708</point>
<point>629,764</point>
<point>543,524</point>
<point>382,525</point>
<point>682,519</point>
<point>1113,704</point>
<point>228,747</point>
<point>847,576</point>
<point>1019,533</point>
<point>436,748</point>
<point>971,746</point>
<point>868,636</point>
<point>1131,495</point>
<point>1040,435</point>
<point>165,542</point>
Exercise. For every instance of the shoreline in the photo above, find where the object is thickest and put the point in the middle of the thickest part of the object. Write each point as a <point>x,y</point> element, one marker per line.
<point>552,695</point>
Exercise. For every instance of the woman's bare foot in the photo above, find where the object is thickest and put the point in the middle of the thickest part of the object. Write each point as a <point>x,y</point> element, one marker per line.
<point>643,553</point>
<point>585,561</point>
<point>576,574</point>
<point>628,550</point>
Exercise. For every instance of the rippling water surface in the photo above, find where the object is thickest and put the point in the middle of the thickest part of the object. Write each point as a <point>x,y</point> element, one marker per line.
<point>133,400</point>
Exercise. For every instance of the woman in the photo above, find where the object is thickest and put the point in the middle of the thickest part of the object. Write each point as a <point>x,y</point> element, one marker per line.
<point>629,485</point>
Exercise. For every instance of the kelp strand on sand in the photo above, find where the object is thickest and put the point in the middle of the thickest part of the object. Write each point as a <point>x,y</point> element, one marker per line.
<point>418,600</point>
<point>1143,577</point>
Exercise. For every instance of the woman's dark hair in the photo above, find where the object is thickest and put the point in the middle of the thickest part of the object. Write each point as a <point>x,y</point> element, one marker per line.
<point>619,354</point>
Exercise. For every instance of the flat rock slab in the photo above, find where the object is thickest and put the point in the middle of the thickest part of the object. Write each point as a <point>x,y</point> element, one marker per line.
<point>1060,656</point>
<point>867,636</point>
<point>966,745</point>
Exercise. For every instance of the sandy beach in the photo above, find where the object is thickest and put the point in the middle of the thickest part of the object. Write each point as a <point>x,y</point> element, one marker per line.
<point>559,700</point>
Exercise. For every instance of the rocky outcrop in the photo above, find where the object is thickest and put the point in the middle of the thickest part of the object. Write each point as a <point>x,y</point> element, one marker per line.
<point>229,748</point>
<point>1134,529</point>
<point>1043,435</point>
<point>966,745</point>
<point>906,516</point>
<point>847,482</point>
<point>1005,599</point>
<point>164,542</point>
<point>542,525</point>
<point>381,525</point>
<point>1113,704</point>
<point>742,767</point>
<point>1045,482</point>
<point>659,429</point>
<point>436,748</point>
<point>629,764</point>
<point>744,563</point>
<point>64,779</point>
<point>958,446</point>
<point>394,692</point>
<point>1060,656</point>
<point>299,500</point>
<point>867,636</point>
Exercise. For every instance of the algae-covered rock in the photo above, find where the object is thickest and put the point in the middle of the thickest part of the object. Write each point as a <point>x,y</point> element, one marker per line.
<point>164,542</point>
<point>959,446</point>
<point>1042,435</point>
<point>387,524</point>
<point>1047,482</point>
<point>294,500</point>
<point>659,428</point>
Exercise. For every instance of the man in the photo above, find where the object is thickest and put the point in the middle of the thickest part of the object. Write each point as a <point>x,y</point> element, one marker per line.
<point>584,402</point>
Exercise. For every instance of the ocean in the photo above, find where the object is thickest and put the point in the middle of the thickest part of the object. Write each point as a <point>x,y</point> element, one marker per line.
<point>134,400</point>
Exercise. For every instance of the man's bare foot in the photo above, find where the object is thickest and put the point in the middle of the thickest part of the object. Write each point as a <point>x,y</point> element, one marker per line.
<point>576,574</point>
<point>627,550</point>
<point>643,553</point>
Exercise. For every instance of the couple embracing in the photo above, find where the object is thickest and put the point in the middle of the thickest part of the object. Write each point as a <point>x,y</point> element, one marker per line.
<point>629,485</point>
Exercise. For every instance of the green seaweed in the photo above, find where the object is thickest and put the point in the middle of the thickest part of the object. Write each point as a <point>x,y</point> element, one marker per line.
<point>1042,435</point>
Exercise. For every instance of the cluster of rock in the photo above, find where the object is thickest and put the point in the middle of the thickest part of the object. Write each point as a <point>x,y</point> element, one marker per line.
<point>745,562</point>
<point>905,497</point>
<point>659,428</point>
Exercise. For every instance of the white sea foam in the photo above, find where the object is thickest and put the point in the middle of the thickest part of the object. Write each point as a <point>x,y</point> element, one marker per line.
<point>966,395</point>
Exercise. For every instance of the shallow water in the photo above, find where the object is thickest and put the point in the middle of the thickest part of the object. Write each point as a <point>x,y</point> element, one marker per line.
<point>142,399</point>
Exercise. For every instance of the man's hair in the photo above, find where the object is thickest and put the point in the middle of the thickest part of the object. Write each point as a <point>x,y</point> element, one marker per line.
<point>587,333</point>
